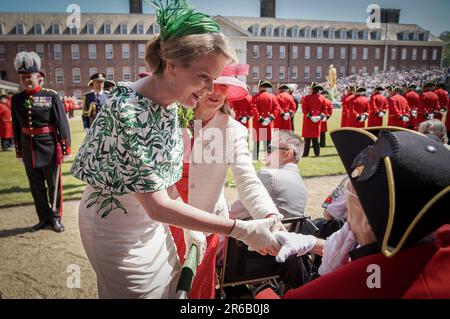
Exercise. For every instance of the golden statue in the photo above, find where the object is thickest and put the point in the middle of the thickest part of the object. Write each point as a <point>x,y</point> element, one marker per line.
<point>332,76</point>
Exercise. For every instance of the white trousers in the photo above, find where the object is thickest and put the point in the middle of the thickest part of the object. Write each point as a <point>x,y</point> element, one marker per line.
<point>132,255</point>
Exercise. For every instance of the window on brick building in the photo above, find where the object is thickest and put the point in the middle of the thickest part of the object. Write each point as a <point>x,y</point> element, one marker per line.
<point>269,72</point>
<point>282,52</point>
<point>255,72</point>
<point>75,51</point>
<point>127,73</point>
<point>57,51</point>
<point>141,50</point>
<point>307,53</point>
<point>269,52</point>
<point>294,73</point>
<point>92,51</point>
<point>125,51</point>
<point>110,73</point>
<point>40,50</point>
<point>59,75</point>
<point>307,72</point>
<point>109,51</point>
<point>282,73</point>
<point>76,75</point>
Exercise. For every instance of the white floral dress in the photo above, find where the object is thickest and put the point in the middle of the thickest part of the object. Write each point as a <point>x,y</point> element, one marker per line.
<point>133,146</point>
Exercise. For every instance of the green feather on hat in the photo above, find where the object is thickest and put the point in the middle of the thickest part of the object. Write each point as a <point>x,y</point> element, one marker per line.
<point>177,18</point>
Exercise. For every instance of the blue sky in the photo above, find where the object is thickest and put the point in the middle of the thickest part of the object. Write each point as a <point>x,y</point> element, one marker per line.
<point>432,14</point>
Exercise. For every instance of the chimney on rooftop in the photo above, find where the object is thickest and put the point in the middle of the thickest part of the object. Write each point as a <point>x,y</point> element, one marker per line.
<point>136,6</point>
<point>268,8</point>
<point>390,15</point>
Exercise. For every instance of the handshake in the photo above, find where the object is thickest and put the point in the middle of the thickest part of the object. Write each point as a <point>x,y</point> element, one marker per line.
<point>258,236</point>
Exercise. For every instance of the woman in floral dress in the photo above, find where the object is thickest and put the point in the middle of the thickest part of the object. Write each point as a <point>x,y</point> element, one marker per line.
<point>133,154</point>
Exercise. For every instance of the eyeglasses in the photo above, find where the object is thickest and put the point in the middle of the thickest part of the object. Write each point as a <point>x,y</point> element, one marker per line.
<point>270,148</point>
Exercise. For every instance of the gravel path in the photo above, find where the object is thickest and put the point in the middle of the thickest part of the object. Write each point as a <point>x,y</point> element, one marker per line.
<point>45,264</point>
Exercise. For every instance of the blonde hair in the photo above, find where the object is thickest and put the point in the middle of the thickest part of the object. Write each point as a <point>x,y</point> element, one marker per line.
<point>227,109</point>
<point>185,50</point>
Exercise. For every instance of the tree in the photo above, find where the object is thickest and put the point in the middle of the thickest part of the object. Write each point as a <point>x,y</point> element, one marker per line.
<point>445,36</point>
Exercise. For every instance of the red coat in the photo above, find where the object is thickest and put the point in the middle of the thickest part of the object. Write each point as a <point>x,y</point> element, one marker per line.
<point>419,272</point>
<point>398,106</point>
<point>344,115</point>
<point>314,105</point>
<point>242,108</point>
<point>359,107</point>
<point>428,103</point>
<point>287,104</point>
<point>328,113</point>
<point>264,105</point>
<point>413,101</point>
<point>378,103</point>
<point>6,128</point>
<point>443,100</point>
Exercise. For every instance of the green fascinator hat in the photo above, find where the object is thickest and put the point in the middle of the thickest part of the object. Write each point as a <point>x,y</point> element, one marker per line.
<point>177,18</point>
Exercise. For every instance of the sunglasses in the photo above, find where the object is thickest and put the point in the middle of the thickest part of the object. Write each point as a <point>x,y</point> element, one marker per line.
<point>271,148</point>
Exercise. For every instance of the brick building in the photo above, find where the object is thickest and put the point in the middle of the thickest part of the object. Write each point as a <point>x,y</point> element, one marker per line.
<point>281,50</point>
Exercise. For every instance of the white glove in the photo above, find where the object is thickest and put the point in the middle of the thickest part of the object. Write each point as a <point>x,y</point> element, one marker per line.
<point>266,122</point>
<point>197,238</point>
<point>414,113</point>
<point>315,119</point>
<point>244,120</point>
<point>256,233</point>
<point>286,116</point>
<point>325,119</point>
<point>380,114</point>
<point>405,119</point>
<point>443,110</point>
<point>293,243</point>
<point>430,117</point>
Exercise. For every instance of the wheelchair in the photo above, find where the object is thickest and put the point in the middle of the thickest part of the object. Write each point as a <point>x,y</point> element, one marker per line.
<point>249,272</point>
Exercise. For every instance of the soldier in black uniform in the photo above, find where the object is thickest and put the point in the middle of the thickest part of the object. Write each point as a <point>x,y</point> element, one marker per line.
<point>94,100</point>
<point>42,138</point>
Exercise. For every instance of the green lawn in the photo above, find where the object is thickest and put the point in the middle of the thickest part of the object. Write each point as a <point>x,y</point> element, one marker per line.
<point>14,188</point>
<point>328,163</point>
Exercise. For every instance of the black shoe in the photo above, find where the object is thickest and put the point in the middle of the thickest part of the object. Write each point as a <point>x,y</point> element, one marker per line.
<point>58,226</point>
<point>39,226</point>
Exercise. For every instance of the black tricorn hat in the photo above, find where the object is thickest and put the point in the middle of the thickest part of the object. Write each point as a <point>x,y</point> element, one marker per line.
<point>402,179</point>
<point>379,88</point>
<point>411,86</point>
<point>283,87</point>
<point>264,84</point>
<point>361,89</point>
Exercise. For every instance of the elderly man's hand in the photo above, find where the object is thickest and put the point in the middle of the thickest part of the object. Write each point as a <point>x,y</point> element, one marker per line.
<point>293,244</point>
